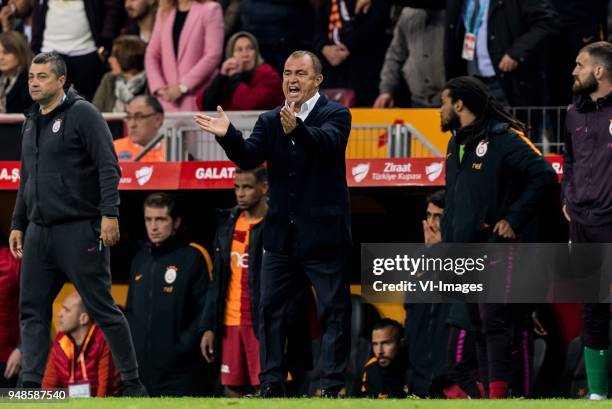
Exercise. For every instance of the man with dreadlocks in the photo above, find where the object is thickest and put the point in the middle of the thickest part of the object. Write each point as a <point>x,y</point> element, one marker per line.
<point>587,189</point>
<point>495,181</point>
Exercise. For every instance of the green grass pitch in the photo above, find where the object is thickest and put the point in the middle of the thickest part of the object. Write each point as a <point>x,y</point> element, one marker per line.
<point>313,403</point>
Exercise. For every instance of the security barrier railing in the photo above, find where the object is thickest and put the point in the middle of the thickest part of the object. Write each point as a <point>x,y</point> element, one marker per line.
<point>184,141</point>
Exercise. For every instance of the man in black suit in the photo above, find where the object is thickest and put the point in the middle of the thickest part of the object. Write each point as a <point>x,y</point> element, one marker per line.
<point>307,227</point>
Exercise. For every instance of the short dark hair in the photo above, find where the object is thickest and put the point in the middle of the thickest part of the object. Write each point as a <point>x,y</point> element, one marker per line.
<point>260,173</point>
<point>151,101</point>
<point>129,50</point>
<point>602,52</point>
<point>160,200</point>
<point>437,198</point>
<point>316,63</point>
<point>55,61</point>
<point>389,323</point>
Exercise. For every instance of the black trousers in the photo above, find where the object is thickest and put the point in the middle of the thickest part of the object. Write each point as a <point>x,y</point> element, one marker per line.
<point>503,344</point>
<point>50,255</point>
<point>85,73</point>
<point>596,316</point>
<point>279,285</point>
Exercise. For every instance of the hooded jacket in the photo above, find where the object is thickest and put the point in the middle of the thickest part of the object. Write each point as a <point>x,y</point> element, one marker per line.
<point>69,169</point>
<point>587,160</point>
<point>502,176</point>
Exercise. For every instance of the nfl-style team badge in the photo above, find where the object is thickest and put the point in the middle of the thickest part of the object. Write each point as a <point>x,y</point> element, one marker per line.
<point>170,275</point>
<point>481,149</point>
<point>56,125</point>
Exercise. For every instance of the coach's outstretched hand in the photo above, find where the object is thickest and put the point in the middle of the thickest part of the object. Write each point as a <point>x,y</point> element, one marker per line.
<point>216,126</point>
<point>16,243</point>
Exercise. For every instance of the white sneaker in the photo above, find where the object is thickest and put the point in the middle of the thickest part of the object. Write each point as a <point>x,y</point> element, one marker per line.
<point>596,396</point>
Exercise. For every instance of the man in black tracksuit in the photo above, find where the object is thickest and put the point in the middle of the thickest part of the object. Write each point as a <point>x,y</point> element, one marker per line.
<point>587,189</point>
<point>168,282</point>
<point>67,208</point>
<point>495,182</point>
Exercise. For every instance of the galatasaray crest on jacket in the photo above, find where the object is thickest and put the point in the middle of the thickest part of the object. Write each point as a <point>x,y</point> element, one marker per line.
<point>170,275</point>
<point>481,148</point>
<point>56,125</point>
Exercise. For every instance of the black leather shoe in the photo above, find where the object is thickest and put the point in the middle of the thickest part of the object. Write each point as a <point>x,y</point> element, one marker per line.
<point>332,393</point>
<point>134,389</point>
<point>269,391</point>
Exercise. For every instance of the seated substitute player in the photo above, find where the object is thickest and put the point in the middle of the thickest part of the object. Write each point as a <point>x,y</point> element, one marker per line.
<point>80,358</point>
<point>383,375</point>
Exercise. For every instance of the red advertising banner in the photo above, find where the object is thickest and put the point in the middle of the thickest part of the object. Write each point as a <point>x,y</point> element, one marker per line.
<point>220,174</point>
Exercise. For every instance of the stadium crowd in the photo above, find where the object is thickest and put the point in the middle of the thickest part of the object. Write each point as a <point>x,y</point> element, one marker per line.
<point>195,316</point>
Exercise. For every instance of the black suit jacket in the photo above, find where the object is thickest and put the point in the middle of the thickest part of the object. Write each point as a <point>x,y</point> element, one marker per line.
<point>307,176</point>
<point>520,28</point>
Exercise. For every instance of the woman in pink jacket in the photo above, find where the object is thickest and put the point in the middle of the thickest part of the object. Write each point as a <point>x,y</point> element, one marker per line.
<point>184,52</point>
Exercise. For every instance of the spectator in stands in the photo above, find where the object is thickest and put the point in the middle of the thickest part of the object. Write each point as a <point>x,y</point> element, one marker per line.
<point>582,22</point>
<point>480,127</point>
<point>80,359</point>
<point>504,50</point>
<point>245,82</point>
<point>416,57</point>
<point>587,190</point>
<point>231,313</point>
<point>144,119</point>
<point>352,46</point>
<point>16,15</point>
<point>15,59</point>
<point>181,67</point>
<point>10,354</point>
<point>82,31</point>
<point>383,375</point>
<point>280,27</point>
<point>166,296</point>
<point>127,77</point>
<point>231,16</point>
<point>142,18</point>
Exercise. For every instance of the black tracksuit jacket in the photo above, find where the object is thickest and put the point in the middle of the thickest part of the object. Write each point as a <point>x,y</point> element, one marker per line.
<point>163,311</point>
<point>69,169</point>
<point>502,176</point>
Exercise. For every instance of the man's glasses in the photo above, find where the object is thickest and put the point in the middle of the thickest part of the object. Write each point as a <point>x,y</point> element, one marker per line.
<point>138,117</point>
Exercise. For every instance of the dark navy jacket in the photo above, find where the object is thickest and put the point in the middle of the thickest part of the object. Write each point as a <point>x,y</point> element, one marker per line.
<point>307,176</point>
<point>587,160</point>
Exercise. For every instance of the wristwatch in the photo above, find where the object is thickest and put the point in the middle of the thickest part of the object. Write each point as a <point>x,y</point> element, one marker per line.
<point>183,88</point>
